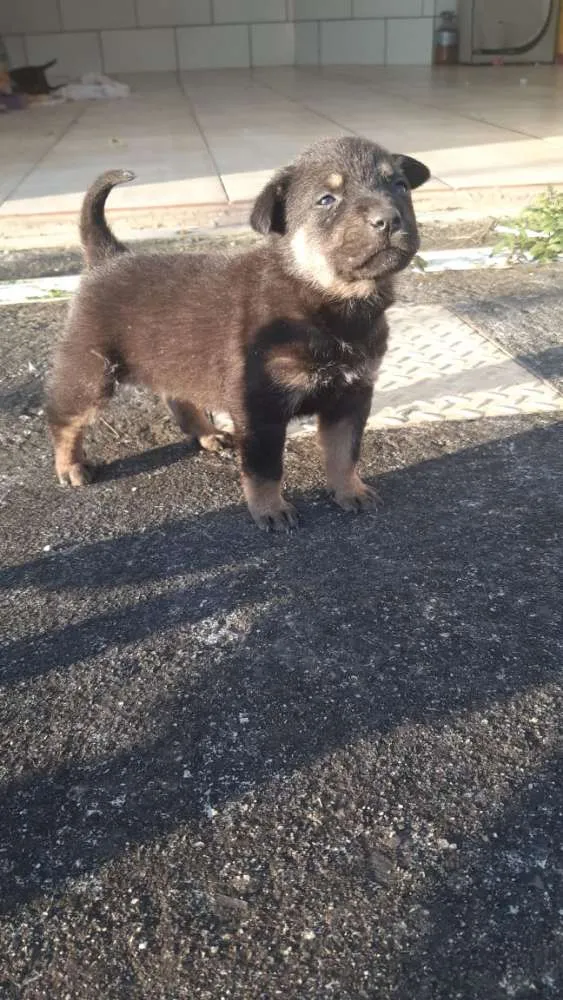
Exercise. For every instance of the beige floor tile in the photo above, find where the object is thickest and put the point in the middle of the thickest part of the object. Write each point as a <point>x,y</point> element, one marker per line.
<point>506,164</point>
<point>251,129</point>
<point>192,138</point>
<point>55,188</point>
<point>27,137</point>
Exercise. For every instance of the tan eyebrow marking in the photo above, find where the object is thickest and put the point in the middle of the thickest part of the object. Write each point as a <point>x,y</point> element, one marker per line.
<point>335,182</point>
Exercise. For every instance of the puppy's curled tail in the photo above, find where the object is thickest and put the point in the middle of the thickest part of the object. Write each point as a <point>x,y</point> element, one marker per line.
<point>98,241</point>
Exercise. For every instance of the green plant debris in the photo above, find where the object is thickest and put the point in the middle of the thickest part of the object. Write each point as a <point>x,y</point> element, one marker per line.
<point>537,233</point>
<point>419,263</point>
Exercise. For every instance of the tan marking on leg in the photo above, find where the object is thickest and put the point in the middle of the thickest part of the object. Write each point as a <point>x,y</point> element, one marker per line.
<point>217,441</point>
<point>337,441</point>
<point>194,423</point>
<point>69,457</point>
<point>267,506</point>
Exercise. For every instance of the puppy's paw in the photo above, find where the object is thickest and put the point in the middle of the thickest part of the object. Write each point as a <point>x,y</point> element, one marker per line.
<point>216,442</point>
<point>281,517</point>
<point>359,497</point>
<point>78,474</point>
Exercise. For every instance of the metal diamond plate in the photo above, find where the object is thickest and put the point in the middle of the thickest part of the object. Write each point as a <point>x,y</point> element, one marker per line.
<point>440,368</point>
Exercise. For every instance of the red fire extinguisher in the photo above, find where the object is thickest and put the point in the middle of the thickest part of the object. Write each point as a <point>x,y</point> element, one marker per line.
<point>446,47</point>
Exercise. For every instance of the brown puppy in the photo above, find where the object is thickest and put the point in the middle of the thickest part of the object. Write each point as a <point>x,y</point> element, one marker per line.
<point>292,326</point>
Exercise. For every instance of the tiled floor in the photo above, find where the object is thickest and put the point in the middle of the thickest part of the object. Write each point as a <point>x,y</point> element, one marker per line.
<point>211,138</point>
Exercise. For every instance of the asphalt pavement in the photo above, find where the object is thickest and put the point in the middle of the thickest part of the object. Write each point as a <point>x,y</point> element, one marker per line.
<point>323,765</point>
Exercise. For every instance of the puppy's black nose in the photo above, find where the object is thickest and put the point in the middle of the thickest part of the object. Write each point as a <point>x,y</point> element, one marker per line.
<point>386,222</point>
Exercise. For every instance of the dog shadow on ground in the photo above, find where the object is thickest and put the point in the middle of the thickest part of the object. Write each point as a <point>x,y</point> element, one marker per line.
<point>444,604</point>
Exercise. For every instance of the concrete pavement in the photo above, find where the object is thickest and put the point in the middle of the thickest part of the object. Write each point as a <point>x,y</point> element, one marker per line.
<point>322,765</point>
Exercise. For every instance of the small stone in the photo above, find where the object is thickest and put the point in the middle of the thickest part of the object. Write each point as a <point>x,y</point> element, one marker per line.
<point>445,845</point>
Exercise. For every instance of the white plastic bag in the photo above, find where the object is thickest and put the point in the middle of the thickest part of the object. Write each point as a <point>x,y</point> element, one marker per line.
<point>93,87</point>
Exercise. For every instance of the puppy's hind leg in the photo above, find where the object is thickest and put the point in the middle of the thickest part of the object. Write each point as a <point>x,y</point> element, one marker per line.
<point>195,424</point>
<point>80,386</point>
<point>67,438</point>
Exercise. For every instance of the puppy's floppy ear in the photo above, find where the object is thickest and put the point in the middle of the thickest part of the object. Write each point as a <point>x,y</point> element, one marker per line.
<point>415,171</point>
<point>268,213</point>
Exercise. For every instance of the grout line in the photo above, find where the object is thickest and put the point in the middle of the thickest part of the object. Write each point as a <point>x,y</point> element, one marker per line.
<point>193,112</point>
<point>177,57</point>
<point>60,15</point>
<point>80,112</point>
<point>300,103</point>
<point>101,51</point>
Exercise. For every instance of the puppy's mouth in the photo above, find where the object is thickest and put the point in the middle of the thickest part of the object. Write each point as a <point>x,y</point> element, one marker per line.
<point>374,255</point>
<point>394,256</point>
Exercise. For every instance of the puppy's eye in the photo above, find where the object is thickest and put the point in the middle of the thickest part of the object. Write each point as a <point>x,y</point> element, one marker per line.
<point>326,200</point>
<point>401,185</point>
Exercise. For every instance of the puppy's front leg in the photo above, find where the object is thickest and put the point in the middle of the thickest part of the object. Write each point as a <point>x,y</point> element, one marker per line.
<point>340,435</point>
<point>261,451</point>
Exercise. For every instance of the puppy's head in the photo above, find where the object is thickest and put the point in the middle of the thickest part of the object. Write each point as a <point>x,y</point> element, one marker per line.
<point>345,214</point>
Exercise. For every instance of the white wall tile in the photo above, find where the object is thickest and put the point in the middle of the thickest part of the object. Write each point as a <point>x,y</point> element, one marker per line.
<point>409,42</point>
<point>307,43</point>
<point>322,10</point>
<point>15,49</point>
<point>84,15</point>
<point>173,12</point>
<point>21,16</point>
<point>76,53</point>
<point>429,7</point>
<point>247,11</point>
<point>272,44</point>
<point>387,8</point>
<point>216,47</point>
<point>142,50</point>
<point>355,42</point>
